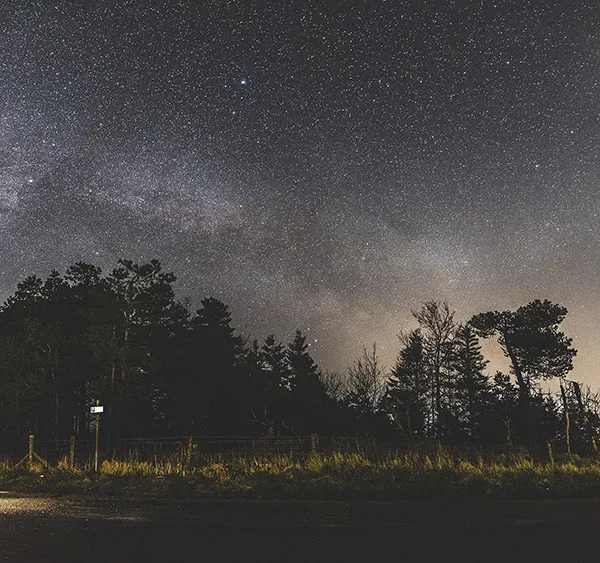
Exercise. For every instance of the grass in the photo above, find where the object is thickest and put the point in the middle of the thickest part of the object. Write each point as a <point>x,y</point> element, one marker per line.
<point>319,476</point>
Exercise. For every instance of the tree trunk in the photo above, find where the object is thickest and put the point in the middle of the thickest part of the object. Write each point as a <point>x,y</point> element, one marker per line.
<point>523,392</point>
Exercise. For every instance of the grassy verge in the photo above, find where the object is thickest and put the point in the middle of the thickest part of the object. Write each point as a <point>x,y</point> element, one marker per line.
<point>336,476</point>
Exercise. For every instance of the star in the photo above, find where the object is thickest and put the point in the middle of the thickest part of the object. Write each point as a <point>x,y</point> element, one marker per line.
<point>351,185</point>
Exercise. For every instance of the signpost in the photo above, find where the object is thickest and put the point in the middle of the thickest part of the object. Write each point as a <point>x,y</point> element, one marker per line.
<point>96,410</point>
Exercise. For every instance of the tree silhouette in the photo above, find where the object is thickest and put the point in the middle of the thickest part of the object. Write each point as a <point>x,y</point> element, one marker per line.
<point>366,383</point>
<point>274,361</point>
<point>437,329</point>
<point>409,387</point>
<point>471,387</point>
<point>536,348</point>
<point>123,338</point>
<point>218,387</point>
<point>308,398</point>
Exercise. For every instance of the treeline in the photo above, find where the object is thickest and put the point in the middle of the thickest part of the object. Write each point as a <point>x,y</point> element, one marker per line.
<point>158,369</point>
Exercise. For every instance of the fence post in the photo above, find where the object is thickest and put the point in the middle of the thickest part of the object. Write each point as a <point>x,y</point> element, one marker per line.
<point>567,419</point>
<point>30,454</point>
<point>314,443</point>
<point>550,454</point>
<point>188,453</point>
<point>568,431</point>
<point>72,453</point>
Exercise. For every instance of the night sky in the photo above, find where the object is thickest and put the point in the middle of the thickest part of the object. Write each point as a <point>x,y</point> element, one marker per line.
<point>322,165</point>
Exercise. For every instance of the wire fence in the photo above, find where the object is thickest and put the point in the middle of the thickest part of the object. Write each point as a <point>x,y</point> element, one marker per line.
<point>198,450</point>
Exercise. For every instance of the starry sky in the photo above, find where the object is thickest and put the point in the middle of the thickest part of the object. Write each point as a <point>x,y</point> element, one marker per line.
<point>322,165</point>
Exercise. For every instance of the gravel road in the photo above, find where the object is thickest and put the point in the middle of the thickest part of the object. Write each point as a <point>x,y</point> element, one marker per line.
<point>43,530</point>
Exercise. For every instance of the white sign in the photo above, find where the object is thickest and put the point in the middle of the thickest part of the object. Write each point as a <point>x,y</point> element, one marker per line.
<point>96,410</point>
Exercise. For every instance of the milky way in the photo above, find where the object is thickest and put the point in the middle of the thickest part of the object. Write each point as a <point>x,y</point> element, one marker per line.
<point>320,165</point>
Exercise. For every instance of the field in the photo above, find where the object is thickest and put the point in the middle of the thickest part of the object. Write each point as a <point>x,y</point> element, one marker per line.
<point>382,474</point>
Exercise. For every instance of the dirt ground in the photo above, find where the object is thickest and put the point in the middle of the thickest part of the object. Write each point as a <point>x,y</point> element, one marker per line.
<point>44,530</point>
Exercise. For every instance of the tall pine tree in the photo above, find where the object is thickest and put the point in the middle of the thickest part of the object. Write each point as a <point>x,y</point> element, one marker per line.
<point>308,400</point>
<point>471,387</point>
<point>409,387</point>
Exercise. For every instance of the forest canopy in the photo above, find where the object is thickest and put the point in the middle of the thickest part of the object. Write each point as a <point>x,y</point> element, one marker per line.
<point>161,370</point>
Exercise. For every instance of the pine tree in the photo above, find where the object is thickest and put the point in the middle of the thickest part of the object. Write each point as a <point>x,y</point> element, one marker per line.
<point>471,386</point>
<point>218,387</point>
<point>309,400</point>
<point>409,387</point>
<point>274,360</point>
<point>536,348</point>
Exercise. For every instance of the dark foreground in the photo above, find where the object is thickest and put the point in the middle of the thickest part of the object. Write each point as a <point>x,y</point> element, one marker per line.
<point>37,529</point>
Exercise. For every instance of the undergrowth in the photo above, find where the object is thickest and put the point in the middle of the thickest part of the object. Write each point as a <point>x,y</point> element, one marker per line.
<point>319,476</point>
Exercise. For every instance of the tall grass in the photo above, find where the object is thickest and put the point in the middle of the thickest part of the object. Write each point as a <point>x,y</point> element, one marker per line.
<point>409,475</point>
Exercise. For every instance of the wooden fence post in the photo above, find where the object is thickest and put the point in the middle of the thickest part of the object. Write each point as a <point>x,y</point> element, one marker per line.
<point>30,453</point>
<point>314,443</point>
<point>72,453</point>
<point>550,454</point>
<point>188,453</point>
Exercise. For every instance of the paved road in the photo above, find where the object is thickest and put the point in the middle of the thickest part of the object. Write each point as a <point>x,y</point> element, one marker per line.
<point>44,530</point>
